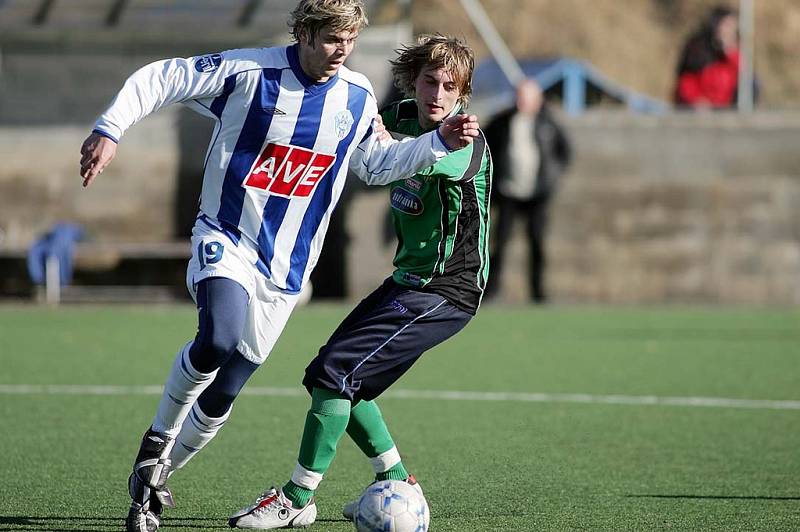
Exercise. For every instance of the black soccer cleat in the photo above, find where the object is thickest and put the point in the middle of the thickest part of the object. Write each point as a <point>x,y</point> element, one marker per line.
<point>142,494</point>
<point>147,483</point>
<point>141,519</point>
<point>152,464</point>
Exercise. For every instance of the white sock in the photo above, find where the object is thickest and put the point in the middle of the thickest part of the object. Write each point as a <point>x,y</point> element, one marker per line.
<point>198,430</point>
<point>184,385</point>
<point>385,461</point>
<point>306,478</point>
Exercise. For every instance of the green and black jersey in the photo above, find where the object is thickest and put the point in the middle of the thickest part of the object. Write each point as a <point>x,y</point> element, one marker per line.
<point>441,217</point>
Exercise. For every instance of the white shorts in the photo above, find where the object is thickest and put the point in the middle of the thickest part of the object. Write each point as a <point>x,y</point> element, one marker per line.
<point>214,254</point>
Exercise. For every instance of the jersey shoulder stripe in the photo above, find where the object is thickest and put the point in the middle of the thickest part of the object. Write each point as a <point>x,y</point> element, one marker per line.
<point>357,79</point>
<point>241,59</point>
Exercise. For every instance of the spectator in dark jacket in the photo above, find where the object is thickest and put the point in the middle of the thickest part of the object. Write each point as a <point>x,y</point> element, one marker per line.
<point>530,152</point>
<point>708,70</point>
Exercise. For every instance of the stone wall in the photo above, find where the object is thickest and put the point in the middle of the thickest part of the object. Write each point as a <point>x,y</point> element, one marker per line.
<point>131,201</point>
<point>678,209</point>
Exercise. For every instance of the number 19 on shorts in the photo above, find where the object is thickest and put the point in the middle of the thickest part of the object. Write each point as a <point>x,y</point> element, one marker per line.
<point>209,253</point>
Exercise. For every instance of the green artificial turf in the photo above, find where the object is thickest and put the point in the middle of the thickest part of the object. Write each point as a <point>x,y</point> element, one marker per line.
<point>515,464</point>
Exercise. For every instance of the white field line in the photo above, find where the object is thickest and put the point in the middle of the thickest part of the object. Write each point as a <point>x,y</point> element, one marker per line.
<point>638,400</point>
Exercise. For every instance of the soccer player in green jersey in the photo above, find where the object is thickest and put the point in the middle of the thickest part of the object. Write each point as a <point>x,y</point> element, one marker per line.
<point>441,216</point>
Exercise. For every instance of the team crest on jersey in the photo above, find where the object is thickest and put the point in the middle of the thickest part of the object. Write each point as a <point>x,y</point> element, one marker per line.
<point>288,171</point>
<point>208,63</point>
<point>343,122</point>
<point>406,201</point>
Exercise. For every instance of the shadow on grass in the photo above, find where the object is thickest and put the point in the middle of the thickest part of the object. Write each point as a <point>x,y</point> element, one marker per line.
<point>718,497</point>
<point>61,524</point>
<point>97,524</point>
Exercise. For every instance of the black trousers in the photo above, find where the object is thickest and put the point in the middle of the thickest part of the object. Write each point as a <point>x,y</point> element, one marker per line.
<point>381,339</point>
<point>535,215</point>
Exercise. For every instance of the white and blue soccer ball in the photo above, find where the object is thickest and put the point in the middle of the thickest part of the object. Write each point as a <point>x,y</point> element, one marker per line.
<point>392,506</point>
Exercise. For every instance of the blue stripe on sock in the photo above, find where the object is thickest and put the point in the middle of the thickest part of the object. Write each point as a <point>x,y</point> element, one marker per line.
<point>190,449</point>
<point>176,401</point>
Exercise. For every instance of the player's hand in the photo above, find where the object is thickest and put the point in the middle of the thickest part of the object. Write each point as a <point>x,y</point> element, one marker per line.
<point>379,129</point>
<point>97,152</point>
<point>459,131</point>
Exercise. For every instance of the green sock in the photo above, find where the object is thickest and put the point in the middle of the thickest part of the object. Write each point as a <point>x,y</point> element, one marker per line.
<point>396,472</point>
<point>369,431</point>
<point>326,423</point>
<point>297,494</point>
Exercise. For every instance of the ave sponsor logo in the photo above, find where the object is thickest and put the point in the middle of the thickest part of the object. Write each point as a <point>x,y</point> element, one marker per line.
<point>288,171</point>
<point>208,63</point>
<point>406,201</point>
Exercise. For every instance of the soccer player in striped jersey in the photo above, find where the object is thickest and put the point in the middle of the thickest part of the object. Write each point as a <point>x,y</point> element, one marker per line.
<point>441,217</point>
<point>289,122</point>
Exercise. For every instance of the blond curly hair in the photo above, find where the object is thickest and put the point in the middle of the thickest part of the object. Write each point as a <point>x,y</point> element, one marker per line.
<point>310,16</point>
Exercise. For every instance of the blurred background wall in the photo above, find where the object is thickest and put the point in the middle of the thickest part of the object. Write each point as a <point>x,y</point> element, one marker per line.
<point>675,207</point>
<point>636,42</point>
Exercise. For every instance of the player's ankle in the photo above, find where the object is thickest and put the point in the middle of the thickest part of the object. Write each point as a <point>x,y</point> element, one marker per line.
<point>396,472</point>
<point>297,495</point>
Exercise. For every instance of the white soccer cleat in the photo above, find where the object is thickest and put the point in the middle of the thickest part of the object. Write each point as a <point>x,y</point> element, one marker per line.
<point>273,510</point>
<point>349,510</point>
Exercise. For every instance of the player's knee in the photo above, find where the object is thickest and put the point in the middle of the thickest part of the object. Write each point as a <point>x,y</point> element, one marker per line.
<point>211,351</point>
<point>218,398</point>
<point>223,344</point>
<point>215,403</point>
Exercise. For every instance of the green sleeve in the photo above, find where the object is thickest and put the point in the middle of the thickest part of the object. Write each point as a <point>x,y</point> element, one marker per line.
<point>452,167</point>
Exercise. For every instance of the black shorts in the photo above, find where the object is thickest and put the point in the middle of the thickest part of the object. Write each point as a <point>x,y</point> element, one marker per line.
<point>381,338</point>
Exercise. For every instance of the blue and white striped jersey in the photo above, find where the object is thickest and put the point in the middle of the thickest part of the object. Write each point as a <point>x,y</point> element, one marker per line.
<point>278,158</point>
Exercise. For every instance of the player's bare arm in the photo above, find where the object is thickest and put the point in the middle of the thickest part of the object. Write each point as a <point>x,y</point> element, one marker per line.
<point>97,152</point>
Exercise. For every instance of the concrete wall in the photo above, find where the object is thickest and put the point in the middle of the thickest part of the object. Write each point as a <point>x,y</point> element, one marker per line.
<point>131,201</point>
<point>684,208</point>
<point>680,208</point>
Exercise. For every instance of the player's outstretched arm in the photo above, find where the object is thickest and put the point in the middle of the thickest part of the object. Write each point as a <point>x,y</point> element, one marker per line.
<point>379,160</point>
<point>97,152</point>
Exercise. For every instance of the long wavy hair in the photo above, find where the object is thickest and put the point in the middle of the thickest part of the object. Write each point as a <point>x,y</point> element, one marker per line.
<point>436,51</point>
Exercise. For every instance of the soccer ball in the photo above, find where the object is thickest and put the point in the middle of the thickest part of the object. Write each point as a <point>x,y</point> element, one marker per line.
<point>392,506</point>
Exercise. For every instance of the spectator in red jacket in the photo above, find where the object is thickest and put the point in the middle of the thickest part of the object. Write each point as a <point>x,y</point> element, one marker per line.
<point>708,71</point>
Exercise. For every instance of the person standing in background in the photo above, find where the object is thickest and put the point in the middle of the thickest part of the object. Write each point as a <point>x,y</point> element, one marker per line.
<point>530,151</point>
<point>708,70</point>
